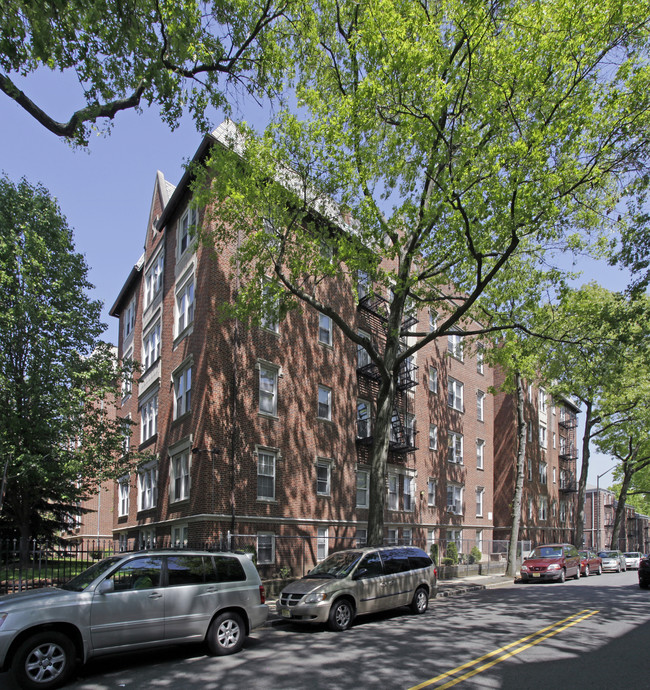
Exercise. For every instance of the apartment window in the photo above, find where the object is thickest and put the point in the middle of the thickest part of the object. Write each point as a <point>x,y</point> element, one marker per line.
<point>322,543</point>
<point>363,487</point>
<point>324,403</point>
<point>151,346</point>
<point>542,472</point>
<point>480,406</point>
<point>455,345</point>
<point>530,508</point>
<point>455,394</point>
<point>433,379</point>
<point>153,279</point>
<point>360,537</point>
<point>147,538</point>
<point>127,380</point>
<point>270,318</point>
<point>455,499</point>
<point>530,392</point>
<point>542,436</point>
<point>407,536</point>
<point>393,497</point>
<point>432,487</point>
<point>187,222</point>
<point>530,470</point>
<point>529,431</point>
<point>324,329</point>
<point>455,536</point>
<point>433,437</point>
<point>543,508</point>
<point>185,306</point>
<point>266,547</point>
<point>148,486</point>
<point>180,535</point>
<point>149,418</point>
<point>268,383</point>
<point>391,538</point>
<point>455,447</point>
<point>180,477</point>
<point>480,453</point>
<point>542,401</point>
<point>363,284</point>
<point>126,430</point>
<point>182,392</point>
<point>408,493</point>
<point>479,540</point>
<point>480,359</point>
<point>129,318</point>
<point>433,320</point>
<point>562,511</point>
<point>554,510</point>
<point>323,477</point>
<point>554,440</point>
<point>123,496</point>
<point>480,494</point>
<point>409,429</point>
<point>363,358</point>
<point>265,475</point>
<point>363,419</point>
<point>555,475</point>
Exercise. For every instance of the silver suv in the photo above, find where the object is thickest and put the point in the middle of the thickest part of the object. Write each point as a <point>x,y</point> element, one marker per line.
<point>357,581</point>
<point>127,602</point>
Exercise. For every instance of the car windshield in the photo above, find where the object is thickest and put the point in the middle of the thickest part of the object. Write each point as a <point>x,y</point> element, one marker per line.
<point>338,565</point>
<point>631,554</point>
<point>546,552</point>
<point>584,554</point>
<point>608,554</point>
<point>81,581</point>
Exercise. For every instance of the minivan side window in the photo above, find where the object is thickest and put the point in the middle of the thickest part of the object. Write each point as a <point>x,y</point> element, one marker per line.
<point>228,569</point>
<point>139,573</point>
<point>372,566</point>
<point>186,570</point>
<point>396,561</point>
<point>418,559</point>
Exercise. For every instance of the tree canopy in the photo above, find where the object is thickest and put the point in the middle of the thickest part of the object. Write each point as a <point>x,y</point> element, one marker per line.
<point>58,430</point>
<point>180,56</point>
<point>443,154</point>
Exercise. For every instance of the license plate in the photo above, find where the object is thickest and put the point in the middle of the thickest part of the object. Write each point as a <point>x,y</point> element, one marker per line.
<point>537,574</point>
<point>286,613</point>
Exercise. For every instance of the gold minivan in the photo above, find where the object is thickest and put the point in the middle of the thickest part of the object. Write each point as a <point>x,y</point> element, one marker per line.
<point>357,581</point>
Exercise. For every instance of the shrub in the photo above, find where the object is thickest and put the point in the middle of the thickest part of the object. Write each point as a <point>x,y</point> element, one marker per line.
<point>452,552</point>
<point>475,555</point>
<point>434,553</point>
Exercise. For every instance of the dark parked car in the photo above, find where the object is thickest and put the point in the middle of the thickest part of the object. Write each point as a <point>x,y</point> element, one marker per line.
<point>551,562</point>
<point>590,563</point>
<point>129,602</point>
<point>644,572</point>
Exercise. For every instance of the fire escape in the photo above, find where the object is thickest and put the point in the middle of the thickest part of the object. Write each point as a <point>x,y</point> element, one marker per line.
<point>568,454</point>
<point>402,436</point>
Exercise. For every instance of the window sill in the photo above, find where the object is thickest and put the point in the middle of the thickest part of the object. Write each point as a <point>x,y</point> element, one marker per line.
<point>268,415</point>
<point>182,418</point>
<point>150,441</point>
<point>267,500</point>
<point>178,502</point>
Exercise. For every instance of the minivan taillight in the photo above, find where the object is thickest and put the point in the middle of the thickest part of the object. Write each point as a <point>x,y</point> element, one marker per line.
<point>262,595</point>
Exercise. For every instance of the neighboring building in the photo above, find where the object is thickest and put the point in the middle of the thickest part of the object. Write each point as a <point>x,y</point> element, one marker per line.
<point>92,529</point>
<point>266,432</point>
<point>600,511</point>
<point>548,506</point>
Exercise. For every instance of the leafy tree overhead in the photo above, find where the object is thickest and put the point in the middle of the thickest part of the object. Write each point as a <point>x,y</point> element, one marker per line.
<point>436,153</point>
<point>180,56</point>
<point>58,430</point>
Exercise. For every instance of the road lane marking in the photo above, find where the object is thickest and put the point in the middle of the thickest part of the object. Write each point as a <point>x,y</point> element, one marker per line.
<point>522,644</point>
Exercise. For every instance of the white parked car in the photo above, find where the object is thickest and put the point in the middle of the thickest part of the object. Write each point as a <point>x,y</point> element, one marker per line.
<point>632,559</point>
<point>613,560</point>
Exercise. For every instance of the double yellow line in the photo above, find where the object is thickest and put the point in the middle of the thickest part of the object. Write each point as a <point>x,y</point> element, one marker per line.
<point>502,653</point>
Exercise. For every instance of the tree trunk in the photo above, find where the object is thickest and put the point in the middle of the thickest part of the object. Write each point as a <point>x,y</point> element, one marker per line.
<point>511,566</point>
<point>379,463</point>
<point>579,533</point>
<point>619,518</point>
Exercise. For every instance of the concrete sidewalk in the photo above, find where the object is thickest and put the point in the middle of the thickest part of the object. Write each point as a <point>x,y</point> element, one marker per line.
<point>446,588</point>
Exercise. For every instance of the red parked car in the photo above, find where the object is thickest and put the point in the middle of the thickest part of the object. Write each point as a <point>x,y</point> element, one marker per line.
<point>590,563</point>
<point>551,562</point>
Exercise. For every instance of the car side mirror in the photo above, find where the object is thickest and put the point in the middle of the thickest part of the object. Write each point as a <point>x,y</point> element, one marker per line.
<point>106,586</point>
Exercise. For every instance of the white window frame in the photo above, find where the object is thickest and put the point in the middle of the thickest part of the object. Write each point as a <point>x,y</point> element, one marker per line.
<point>433,437</point>
<point>148,486</point>
<point>149,417</point>
<point>180,535</point>
<point>266,467</point>
<point>269,320</point>
<point>268,377</point>
<point>129,319</point>
<point>408,493</point>
<point>455,498</point>
<point>480,405</point>
<point>188,220</point>
<point>480,359</point>
<point>363,284</point>
<point>360,537</point>
<point>324,403</point>
<point>542,436</point>
<point>124,490</point>
<point>393,492</point>
<point>433,379</point>
<point>392,535</point>
<point>185,301</point>
<point>480,497</point>
<point>270,537</point>
<point>364,419</point>
<point>363,358</point>
<point>454,447</point>
<point>183,391</point>
<point>432,489</point>
<point>433,320</point>
<point>325,330</point>
<point>151,345</point>
<point>180,476</point>
<point>147,538</point>
<point>543,472</point>
<point>127,381</point>
<point>480,454</point>
<point>455,345</point>
<point>153,279</point>
<point>542,401</point>
<point>322,543</point>
<point>455,394</point>
<point>542,511</point>
<point>407,536</point>
<point>326,465</point>
<point>362,489</point>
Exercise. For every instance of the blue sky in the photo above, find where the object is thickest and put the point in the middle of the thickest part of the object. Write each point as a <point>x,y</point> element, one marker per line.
<point>105,191</point>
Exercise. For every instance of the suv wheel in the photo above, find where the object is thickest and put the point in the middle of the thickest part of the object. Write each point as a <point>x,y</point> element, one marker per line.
<point>341,615</point>
<point>226,634</point>
<point>45,660</point>
<point>562,577</point>
<point>420,601</point>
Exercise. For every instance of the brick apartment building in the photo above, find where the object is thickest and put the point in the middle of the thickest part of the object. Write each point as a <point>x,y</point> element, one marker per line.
<point>548,506</point>
<point>266,431</point>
